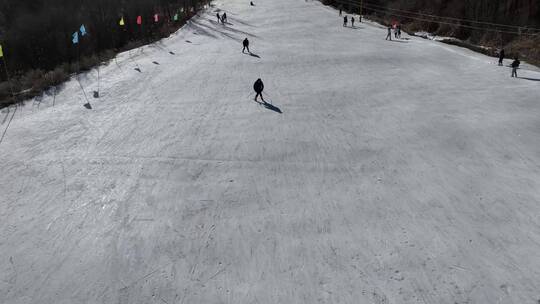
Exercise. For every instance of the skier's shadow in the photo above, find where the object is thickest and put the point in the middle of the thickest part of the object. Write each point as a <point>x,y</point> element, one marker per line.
<point>531,79</point>
<point>253,55</point>
<point>270,106</point>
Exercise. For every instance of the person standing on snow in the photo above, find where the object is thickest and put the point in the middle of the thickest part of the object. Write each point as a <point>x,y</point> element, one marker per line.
<point>389,36</point>
<point>246,46</point>
<point>258,86</point>
<point>345,21</point>
<point>515,67</point>
<point>501,57</point>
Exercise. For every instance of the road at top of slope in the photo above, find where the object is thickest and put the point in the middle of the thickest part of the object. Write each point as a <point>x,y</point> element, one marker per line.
<point>397,172</point>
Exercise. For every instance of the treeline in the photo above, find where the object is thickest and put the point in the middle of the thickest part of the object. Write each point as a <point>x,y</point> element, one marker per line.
<point>36,35</point>
<point>512,24</point>
<point>475,16</point>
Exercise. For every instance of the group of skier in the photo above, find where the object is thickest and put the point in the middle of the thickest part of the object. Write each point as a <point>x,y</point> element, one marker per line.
<point>222,18</point>
<point>397,32</point>
<point>258,86</point>
<point>514,65</point>
<point>346,20</point>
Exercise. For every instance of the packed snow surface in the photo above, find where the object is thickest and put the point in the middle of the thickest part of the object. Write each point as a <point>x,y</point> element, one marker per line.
<point>397,172</point>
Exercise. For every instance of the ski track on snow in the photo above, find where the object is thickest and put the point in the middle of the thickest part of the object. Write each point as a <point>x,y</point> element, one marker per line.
<point>396,173</point>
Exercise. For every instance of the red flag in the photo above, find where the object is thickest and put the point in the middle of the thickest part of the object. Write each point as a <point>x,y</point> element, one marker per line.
<point>139,20</point>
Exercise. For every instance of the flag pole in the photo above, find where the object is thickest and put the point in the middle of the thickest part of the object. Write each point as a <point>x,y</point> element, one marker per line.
<point>87,104</point>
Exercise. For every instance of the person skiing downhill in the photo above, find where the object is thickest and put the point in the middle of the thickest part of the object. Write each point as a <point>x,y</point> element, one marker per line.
<point>389,36</point>
<point>246,46</point>
<point>501,57</point>
<point>258,86</point>
<point>345,21</point>
<point>515,67</point>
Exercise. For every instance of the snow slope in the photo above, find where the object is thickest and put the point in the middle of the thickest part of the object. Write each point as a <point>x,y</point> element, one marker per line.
<point>397,172</point>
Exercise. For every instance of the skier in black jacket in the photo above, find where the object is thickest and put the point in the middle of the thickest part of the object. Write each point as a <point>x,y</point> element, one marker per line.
<point>515,67</point>
<point>389,36</point>
<point>501,57</point>
<point>258,86</point>
<point>246,45</point>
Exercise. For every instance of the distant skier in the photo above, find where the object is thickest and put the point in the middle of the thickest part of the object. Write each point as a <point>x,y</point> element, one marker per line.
<point>515,67</point>
<point>246,46</point>
<point>352,21</point>
<point>218,17</point>
<point>258,86</point>
<point>501,57</point>
<point>345,21</point>
<point>389,36</point>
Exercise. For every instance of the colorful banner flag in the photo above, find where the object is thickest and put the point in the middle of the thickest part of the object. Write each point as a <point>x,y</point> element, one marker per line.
<point>1,52</point>
<point>156,18</point>
<point>75,38</point>
<point>83,30</point>
<point>122,23</point>
<point>139,20</point>
<point>175,17</point>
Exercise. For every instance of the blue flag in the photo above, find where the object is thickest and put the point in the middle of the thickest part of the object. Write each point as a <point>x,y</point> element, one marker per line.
<point>75,38</point>
<point>83,30</point>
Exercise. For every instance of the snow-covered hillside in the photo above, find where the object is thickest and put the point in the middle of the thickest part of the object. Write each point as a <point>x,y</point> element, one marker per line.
<point>385,172</point>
